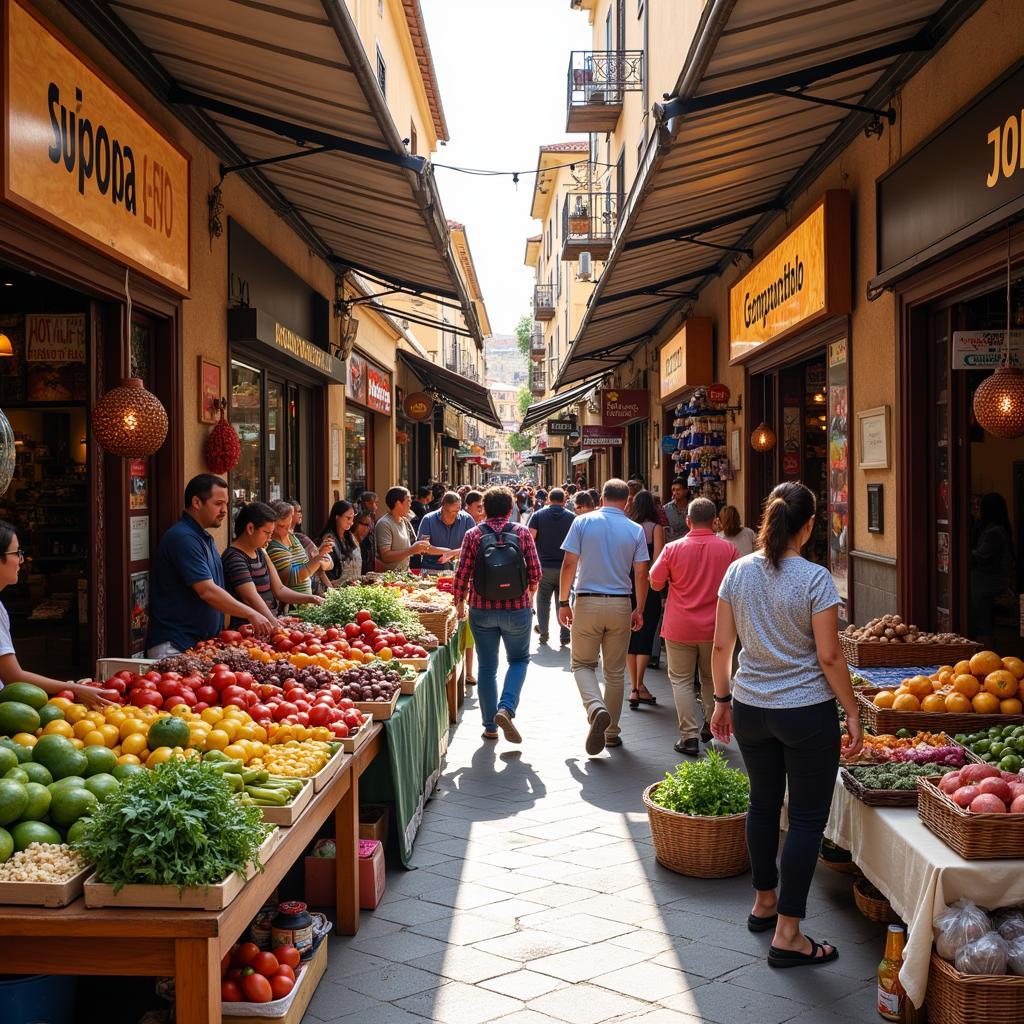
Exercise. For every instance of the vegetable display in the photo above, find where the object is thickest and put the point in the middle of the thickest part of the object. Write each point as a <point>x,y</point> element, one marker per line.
<point>891,629</point>
<point>983,789</point>
<point>919,748</point>
<point>895,774</point>
<point>43,862</point>
<point>707,787</point>
<point>1000,746</point>
<point>341,606</point>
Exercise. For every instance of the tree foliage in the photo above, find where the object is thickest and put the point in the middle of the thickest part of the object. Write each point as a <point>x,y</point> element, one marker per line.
<point>525,400</point>
<point>520,442</point>
<point>524,331</point>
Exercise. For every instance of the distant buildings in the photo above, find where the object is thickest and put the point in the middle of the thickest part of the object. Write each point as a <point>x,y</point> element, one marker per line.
<point>503,361</point>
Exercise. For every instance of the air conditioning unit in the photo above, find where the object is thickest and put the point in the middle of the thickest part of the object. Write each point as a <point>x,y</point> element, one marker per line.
<point>585,272</point>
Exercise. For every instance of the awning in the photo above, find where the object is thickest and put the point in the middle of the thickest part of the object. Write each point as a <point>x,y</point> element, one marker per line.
<point>261,82</point>
<point>583,456</point>
<point>540,411</point>
<point>762,107</point>
<point>466,395</point>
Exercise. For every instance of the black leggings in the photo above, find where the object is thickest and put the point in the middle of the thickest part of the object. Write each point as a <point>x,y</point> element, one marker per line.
<point>798,746</point>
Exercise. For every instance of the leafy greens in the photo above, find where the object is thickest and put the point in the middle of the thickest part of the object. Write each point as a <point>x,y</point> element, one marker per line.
<point>340,606</point>
<point>708,787</point>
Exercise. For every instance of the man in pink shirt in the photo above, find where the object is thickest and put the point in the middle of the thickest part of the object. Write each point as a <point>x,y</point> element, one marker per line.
<point>693,568</point>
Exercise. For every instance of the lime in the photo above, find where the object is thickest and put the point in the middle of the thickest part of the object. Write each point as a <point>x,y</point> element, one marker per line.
<point>38,802</point>
<point>102,785</point>
<point>1011,763</point>
<point>124,771</point>
<point>50,713</point>
<point>69,805</point>
<point>58,755</point>
<point>77,831</point>
<point>18,774</point>
<point>99,759</point>
<point>24,693</point>
<point>982,746</point>
<point>997,749</point>
<point>8,760</point>
<point>23,754</point>
<point>27,832</point>
<point>37,773</point>
<point>6,844</point>
<point>13,800</point>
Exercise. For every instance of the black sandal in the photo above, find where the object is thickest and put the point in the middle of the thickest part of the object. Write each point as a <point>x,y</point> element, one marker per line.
<point>634,702</point>
<point>761,924</point>
<point>791,958</point>
<point>651,700</point>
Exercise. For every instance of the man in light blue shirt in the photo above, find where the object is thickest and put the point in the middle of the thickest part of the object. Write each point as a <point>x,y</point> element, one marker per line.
<point>600,550</point>
<point>444,528</point>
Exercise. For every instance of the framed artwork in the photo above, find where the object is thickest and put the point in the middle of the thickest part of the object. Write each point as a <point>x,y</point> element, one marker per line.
<point>211,389</point>
<point>876,508</point>
<point>735,447</point>
<point>335,451</point>
<point>873,438</point>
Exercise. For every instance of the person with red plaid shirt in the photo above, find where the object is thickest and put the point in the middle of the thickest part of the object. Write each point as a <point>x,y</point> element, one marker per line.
<point>498,621</point>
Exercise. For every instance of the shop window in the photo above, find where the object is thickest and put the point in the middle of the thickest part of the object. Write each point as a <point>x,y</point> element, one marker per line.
<point>357,453</point>
<point>246,391</point>
<point>382,73</point>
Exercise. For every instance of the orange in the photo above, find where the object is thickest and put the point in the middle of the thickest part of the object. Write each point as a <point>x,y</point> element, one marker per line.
<point>128,759</point>
<point>133,744</point>
<point>945,670</point>
<point>966,684</point>
<point>1002,683</point>
<point>78,744</point>
<point>24,739</point>
<point>110,734</point>
<point>1011,706</point>
<point>60,702</point>
<point>934,703</point>
<point>1014,665</point>
<point>159,756</point>
<point>907,702</point>
<point>919,686</point>
<point>75,713</point>
<point>237,752</point>
<point>217,740</point>
<point>958,704</point>
<point>883,699</point>
<point>94,739</point>
<point>984,662</point>
<point>986,703</point>
<point>61,728</point>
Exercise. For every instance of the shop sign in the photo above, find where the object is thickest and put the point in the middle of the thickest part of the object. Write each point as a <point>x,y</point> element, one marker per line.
<point>418,406</point>
<point>986,350</point>
<point>378,389</point>
<point>669,444</point>
<point>804,279</point>
<point>790,464</point>
<point>305,351</point>
<point>966,178</point>
<point>55,338</point>
<point>566,426</point>
<point>686,360</point>
<point>601,437</point>
<point>450,421</point>
<point>619,407</point>
<point>718,394</point>
<point>356,390</point>
<point>80,155</point>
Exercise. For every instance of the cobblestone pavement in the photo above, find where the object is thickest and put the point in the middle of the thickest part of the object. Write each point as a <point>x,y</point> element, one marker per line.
<point>537,897</point>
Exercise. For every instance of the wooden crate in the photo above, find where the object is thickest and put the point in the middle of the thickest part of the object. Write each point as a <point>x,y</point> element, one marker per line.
<point>381,710</point>
<point>293,1007</point>
<point>354,740</point>
<point>289,813</point>
<point>167,897</point>
<point>44,894</point>
<point>409,685</point>
<point>328,771</point>
<point>420,663</point>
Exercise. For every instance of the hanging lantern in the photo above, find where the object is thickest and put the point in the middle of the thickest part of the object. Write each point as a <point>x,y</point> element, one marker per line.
<point>7,453</point>
<point>763,438</point>
<point>223,448</point>
<point>999,403</point>
<point>129,420</point>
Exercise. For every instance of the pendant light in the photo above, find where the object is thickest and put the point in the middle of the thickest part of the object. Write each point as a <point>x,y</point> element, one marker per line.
<point>999,399</point>
<point>7,453</point>
<point>129,420</point>
<point>762,438</point>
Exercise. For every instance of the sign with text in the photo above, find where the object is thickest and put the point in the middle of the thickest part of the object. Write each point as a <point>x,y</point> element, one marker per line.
<point>82,156</point>
<point>356,388</point>
<point>986,350</point>
<point>55,338</point>
<point>378,389</point>
<point>601,437</point>
<point>620,407</point>
<point>804,279</point>
<point>564,427</point>
<point>418,406</point>
<point>305,351</point>
<point>686,359</point>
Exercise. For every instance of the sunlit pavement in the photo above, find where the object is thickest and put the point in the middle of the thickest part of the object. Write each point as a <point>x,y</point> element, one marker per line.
<point>537,897</point>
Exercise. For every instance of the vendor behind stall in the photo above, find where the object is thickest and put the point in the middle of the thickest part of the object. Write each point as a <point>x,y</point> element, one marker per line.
<point>444,529</point>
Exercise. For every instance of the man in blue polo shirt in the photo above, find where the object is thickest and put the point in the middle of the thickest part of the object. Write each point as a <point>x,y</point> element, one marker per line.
<point>444,529</point>
<point>549,526</point>
<point>188,601</point>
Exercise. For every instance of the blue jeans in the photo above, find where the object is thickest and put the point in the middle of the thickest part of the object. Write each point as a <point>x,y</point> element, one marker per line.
<point>489,629</point>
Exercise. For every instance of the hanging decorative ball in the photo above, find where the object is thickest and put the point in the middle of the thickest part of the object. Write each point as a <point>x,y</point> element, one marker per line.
<point>223,448</point>
<point>999,403</point>
<point>763,438</point>
<point>129,420</point>
<point>7,453</point>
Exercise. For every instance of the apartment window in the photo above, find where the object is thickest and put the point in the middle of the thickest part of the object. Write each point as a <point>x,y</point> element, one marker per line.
<point>382,72</point>
<point>558,282</point>
<point>413,146</point>
<point>620,182</point>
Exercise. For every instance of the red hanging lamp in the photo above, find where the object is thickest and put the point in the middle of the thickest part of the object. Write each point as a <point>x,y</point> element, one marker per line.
<point>223,447</point>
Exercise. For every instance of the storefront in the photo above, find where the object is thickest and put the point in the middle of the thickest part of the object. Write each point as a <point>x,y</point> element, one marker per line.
<point>789,328</point>
<point>416,422</point>
<point>627,410</point>
<point>368,398</point>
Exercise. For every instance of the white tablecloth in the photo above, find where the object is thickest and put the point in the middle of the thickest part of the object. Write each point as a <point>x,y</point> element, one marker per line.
<point>918,874</point>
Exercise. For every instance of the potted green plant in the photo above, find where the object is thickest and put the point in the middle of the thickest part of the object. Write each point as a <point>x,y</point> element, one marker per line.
<point>698,818</point>
<point>579,218</point>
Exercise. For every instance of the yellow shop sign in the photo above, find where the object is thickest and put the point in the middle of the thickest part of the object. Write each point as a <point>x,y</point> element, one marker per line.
<point>804,279</point>
<point>80,155</point>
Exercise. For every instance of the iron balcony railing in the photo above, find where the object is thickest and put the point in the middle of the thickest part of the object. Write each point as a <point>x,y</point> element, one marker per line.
<point>537,381</point>
<point>597,82</point>
<point>588,223</point>
<point>543,301</point>
<point>538,347</point>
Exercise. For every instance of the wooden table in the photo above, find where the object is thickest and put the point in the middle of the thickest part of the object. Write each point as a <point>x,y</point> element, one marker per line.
<point>188,944</point>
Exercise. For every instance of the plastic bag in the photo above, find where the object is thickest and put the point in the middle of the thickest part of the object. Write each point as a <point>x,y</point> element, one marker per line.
<point>1015,956</point>
<point>986,955</point>
<point>960,923</point>
<point>1009,922</point>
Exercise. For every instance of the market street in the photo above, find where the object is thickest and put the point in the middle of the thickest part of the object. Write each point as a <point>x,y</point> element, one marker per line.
<point>537,897</point>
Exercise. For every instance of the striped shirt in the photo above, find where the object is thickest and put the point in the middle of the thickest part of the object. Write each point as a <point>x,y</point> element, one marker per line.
<point>288,560</point>
<point>467,563</point>
<point>240,569</point>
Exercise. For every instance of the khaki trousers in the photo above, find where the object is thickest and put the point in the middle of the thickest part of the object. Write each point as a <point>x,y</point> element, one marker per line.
<point>601,628</point>
<point>682,664</point>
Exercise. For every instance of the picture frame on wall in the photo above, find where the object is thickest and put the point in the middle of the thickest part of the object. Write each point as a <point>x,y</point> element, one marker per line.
<point>210,380</point>
<point>735,447</point>
<point>873,438</point>
<point>876,508</point>
<point>335,452</point>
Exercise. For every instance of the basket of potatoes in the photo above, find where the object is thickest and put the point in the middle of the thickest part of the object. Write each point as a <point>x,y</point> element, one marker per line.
<point>888,640</point>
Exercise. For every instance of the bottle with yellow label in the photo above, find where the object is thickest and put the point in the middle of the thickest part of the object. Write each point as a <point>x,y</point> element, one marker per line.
<point>890,992</point>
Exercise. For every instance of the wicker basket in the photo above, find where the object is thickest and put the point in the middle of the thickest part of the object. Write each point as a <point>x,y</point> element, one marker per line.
<point>872,904</point>
<point>885,720</point>
<point>441,624</point>
<point>973,836</point>
<point>873,655</point>
<point>878,797</point>
<point>698,846</point>
<point>955,998</point>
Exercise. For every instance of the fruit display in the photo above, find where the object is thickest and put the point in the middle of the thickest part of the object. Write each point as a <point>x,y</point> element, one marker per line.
<point>985,684</point>
<point>891,629</point>
<point>254,785</point>
<point>984,789</point>
<point>921,748</point>
<point>252,975</point>
<point>295,760</point>
<point>1002,746</point>
<point>896,774</point>
<point>43,862</point>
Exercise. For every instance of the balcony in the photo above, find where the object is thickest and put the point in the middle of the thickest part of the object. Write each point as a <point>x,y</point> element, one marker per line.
<point>538,382</point>
<point>543,302</point>
<point>588,224</point>
<point>597,82</point>
<point>538,347</point>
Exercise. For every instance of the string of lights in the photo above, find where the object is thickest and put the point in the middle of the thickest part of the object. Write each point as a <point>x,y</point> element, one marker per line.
<point>484,172</point>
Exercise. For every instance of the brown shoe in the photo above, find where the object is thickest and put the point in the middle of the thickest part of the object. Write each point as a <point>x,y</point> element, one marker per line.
<point>503,720</point>
<point>599,721</point>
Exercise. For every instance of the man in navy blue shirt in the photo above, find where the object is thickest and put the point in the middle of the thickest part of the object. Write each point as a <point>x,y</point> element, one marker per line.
<point>187,596</point>
<point>444,529</point>
<point>549,527</point>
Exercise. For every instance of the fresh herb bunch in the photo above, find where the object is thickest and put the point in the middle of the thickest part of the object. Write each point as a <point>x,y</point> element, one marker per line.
<point>340,606</point>
<point>708,787</point>
<point>179,824</point>
<point>895,774</point>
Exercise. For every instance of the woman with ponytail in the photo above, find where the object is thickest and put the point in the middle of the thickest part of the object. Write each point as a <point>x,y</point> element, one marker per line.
<point>784,609</point>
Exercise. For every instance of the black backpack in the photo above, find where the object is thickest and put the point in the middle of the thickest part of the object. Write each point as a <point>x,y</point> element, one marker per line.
<point>500,572</point>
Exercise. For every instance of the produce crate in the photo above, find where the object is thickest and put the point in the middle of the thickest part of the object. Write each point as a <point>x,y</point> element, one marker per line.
<point>328,771</point>
<point>409,685</point>
<point>289,813</point>
<point>381,710</point>
<point>292,1008</point>
<point>107,667</point>
<point>973,836</point>
<point>955,998</point>
<point>878,797</point>
<point>866,655</point>
<point>882,720</point>
<point>420,663</point>
<point>354,740</point>
<point>167,897</point>
<point>44,894</point>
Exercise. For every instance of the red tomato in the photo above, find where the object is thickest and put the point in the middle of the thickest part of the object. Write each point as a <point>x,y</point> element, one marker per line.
<point>368,627</point>
<point>235,702</point>
<point>230,636</point>
<point>251,699</point>
<point>400,638</point>
<point>332,634</point>
<point>319,714</point>
<point>244,679</point>
<point>340,729</point>
<point>225,964</point>
<point>352,631</point>
<point>173,702</point>
<point>189,697</point>
<point>288,956</point>
<point>302,718</point>
<point>362,616</point>
<point>146,698</point>
<point>284,971</point>
<point>353,719</point>
<point>153,675</point>
<point>206,693</point>
<point>283,644</point>
<point>346,702</point>
<point>169,688</point>
<point>281,985</point>
<point>297,636</point>
<point>125,675</point>
<point>230,992</point>
<point>231,692</point>
<point>221,679</point>
<point>294,694</point>
<point>283,710</point>
<point>265,964</point>
<point>244,954</point>
<point>115,683</point>
<point>256,989</point>
<point>302,704</point>
<point>200,707</point>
